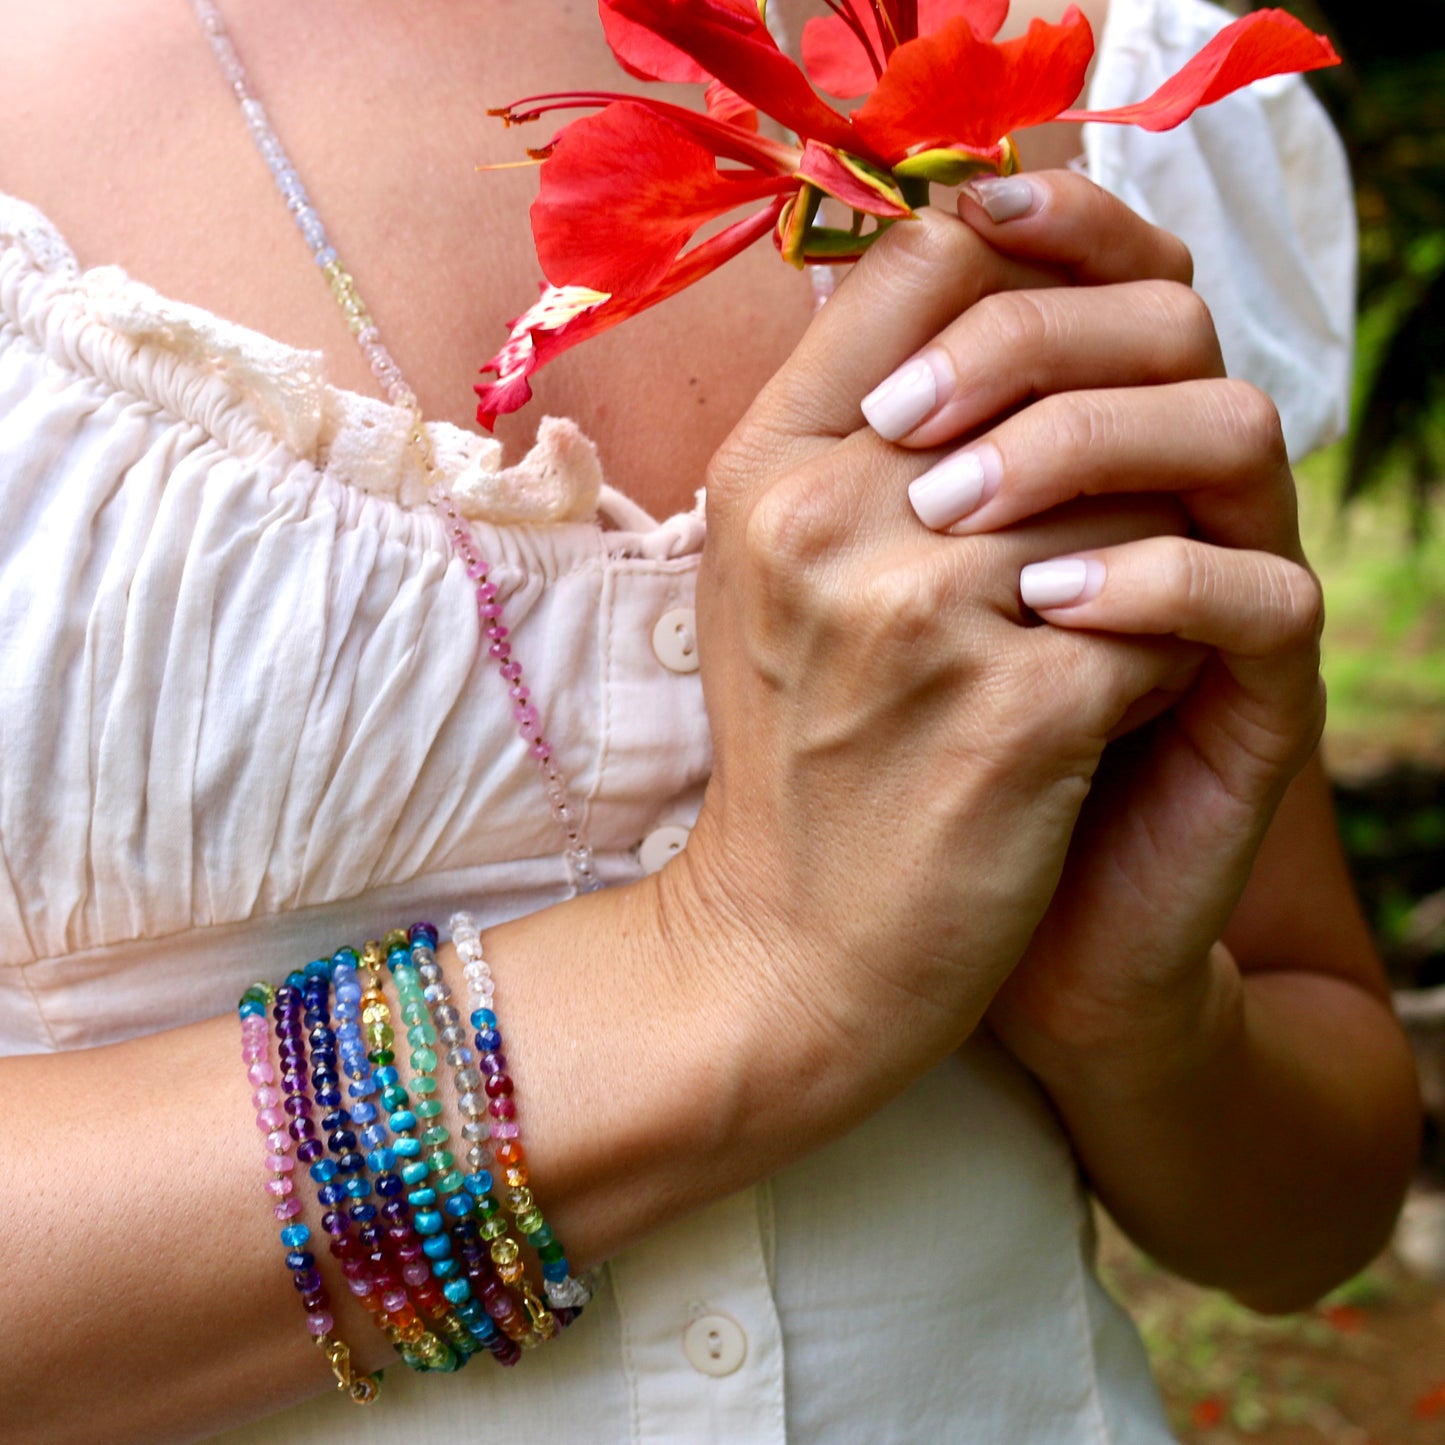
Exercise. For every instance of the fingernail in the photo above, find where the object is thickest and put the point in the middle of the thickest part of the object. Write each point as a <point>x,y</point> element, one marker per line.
<point>954,487</point>
<point>1005,198</point>
<point>898,403</point>
<point>1062,582</point>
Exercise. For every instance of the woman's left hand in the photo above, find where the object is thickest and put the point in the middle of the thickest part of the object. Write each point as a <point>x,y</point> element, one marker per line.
<point>1071,392</point>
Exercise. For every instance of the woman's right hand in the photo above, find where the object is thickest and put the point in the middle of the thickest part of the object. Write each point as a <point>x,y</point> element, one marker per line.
<point>900,755</point>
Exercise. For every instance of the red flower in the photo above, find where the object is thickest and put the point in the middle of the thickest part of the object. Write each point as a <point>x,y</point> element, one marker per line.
<point>660,184</point>
<point>626,188</point>
<point>846,64</point>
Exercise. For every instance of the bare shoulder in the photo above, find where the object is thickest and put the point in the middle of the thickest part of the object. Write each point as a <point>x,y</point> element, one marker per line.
<point>86,87</point>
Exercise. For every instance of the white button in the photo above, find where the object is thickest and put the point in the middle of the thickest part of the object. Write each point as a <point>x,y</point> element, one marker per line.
<point>660,845</point>
<point>674,640</point>
<point>714,1345</point>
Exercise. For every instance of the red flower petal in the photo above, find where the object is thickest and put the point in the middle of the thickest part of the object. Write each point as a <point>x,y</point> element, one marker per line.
<point>953,89</point>
<point>645,55</point>
<point>737,50</point>
<point>561,311</point>
<point>834,174</point>
<point>649,57</point>
<point>727,105</point>
<point>564,317</point>
<point>1264,43</point>
<point>622,194</point>
<point>835,59</point>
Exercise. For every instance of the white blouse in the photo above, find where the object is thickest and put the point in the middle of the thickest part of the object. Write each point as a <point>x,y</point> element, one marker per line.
<point>242,720</point>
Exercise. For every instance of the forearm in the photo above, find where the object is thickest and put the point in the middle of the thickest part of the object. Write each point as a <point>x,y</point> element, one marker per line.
<point>1270,1159</point>
<point>147,1298</point>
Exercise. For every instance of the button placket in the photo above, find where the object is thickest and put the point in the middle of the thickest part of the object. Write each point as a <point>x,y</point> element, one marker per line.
<point>702,1284</point>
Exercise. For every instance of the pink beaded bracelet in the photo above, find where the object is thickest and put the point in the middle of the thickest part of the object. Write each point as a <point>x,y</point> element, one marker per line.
<point>271,1120</point>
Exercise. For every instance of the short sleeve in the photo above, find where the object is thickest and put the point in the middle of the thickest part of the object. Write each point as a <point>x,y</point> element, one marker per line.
<point>1259,188</point>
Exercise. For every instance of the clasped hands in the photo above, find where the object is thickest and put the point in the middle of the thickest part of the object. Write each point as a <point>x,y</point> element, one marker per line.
<point>1004,687</point>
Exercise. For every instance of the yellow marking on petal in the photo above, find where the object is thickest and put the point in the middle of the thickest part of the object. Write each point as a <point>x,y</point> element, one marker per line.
<point>875,179</point>
<point>794,221</point>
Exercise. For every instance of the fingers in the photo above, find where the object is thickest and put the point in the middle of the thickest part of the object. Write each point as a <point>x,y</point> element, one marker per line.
<point>892,609</point>
<point>1216,444</point>
<point>1063,221</point>
<point>900,294</point>
<point>917,280</point>
<point>1262,613</point>
<point>1011,347</point>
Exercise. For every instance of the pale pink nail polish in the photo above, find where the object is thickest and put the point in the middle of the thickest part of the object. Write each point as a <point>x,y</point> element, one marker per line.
<point>956,486</point>
<point>1061,582</point>
<point>898,403</point>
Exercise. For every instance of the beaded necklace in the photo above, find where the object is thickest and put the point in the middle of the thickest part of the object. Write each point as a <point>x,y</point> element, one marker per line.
<point>577,851</point>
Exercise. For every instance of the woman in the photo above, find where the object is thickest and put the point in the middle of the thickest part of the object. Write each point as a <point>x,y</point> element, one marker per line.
<point>953,914</point>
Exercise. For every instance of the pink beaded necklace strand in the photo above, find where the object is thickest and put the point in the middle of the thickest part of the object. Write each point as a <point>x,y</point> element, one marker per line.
<point>578,852</point>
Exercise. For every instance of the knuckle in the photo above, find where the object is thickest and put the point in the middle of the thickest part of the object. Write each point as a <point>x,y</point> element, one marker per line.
<point>782,534</point>
<point>927,256</point>
<point>1059,703</point>
<point>1302,601</point>
<point>1183,314</point>
<point>1186,587</point>
<point>918,248</point>
<point>1081,423</point>
<point>1015,320</point>
<point>900,605</point>
<point>761,445</point>
<point>728,469</point>
<point>1178,259</point>
<point>1251,418</point>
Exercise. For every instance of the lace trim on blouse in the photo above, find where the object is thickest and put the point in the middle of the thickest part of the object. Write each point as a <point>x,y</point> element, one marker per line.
<point>250,391</point>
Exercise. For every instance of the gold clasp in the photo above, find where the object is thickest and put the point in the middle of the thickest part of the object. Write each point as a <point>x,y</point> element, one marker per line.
<point>544,1322</point>
<point>362,1389</point>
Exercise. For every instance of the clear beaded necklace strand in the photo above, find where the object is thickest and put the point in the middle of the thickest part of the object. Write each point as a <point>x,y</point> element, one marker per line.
<point>578,852</point>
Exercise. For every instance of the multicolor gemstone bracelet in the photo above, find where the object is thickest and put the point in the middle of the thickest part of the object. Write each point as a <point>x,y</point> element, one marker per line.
<point>423,1245</point>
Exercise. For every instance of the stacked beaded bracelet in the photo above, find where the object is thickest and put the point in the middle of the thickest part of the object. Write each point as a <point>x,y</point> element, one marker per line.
<point>401,1165</point>
<point>434,1184</point>
<point>412,962</point>
<point>253,1007</point>
<point>422,1245</point>
<point>344,1190</point>
<point>376,1286</point>
<point>492,1117</point>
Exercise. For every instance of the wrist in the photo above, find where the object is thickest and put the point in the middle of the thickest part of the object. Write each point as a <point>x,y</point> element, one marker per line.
<point>649,1072</point>
<point>1141,1050</point>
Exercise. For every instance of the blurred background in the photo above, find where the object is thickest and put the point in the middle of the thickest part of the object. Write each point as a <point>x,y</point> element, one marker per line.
<point>1367,1367</point>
